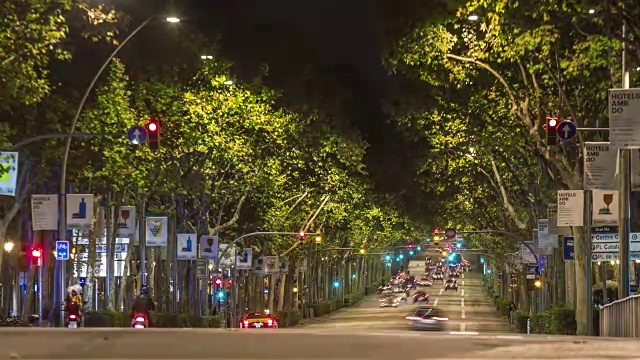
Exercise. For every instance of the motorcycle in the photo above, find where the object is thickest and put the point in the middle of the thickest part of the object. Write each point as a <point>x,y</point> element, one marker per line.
<point>421,297</point>
<point>73,318</point>
<point>139,321</point>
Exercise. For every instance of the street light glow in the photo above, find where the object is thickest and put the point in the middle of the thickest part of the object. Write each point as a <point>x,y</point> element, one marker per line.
<point>473,17</point>
<point>173,20</point>
<point>228,82</point>
<point>8,246</point>
<point>592,11</point>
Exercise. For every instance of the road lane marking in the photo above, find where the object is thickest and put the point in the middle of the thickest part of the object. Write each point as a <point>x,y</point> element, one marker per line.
<point>441,291</point>
<point>463,327</point>
<point>462,282</point>
<point>463,332</point>
<point>463,276</point>
<point>462,302</point>
<point>464,314</point>
<point>462,293</point>
<point>435,303</point>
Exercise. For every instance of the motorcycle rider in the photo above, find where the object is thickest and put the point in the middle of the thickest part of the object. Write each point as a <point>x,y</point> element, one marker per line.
<point>74,300</point>
<point>143,305</point>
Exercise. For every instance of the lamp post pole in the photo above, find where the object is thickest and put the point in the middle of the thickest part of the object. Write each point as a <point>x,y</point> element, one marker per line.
<point>62,201</point>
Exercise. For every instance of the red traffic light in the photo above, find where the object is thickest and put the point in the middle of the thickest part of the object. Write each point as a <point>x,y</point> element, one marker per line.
<point>552,131</point>
<point>36,253</point>
<point>410,246</point>
<point>218,281</point>
<point>302,234</point>
<point>552,122</point>
<point>153,132</point>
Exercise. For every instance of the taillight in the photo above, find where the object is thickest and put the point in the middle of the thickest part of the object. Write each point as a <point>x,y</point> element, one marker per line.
<point>269,322</point>
<point>72,316</point>
<point>246,322</point>
<point>140,318</point>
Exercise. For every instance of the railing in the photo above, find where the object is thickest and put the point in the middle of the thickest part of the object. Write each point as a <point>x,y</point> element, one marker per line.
<point>621,318</point>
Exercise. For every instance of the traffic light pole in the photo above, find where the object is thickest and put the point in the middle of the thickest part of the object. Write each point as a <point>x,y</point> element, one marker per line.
<point>40,312</point>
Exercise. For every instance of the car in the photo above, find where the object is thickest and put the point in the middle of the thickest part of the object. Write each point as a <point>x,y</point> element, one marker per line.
<point>259,320</point>
<point>427,318</point>
<point>451,284</point>
<point>389,301</point>
<point>454,274</point>
<point>438,275</point>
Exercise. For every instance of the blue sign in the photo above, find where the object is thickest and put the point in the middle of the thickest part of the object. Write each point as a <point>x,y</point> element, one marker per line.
<point>137,135</point>
<point>567,130</point>
<point>568,247</point>
<point>62,250</point>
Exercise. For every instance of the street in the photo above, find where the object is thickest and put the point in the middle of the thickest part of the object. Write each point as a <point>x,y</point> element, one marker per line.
<point>468,309</point>
<point>111,343</point>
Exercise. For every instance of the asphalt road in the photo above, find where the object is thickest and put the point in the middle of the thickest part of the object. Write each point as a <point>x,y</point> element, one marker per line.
<point>334,344</point>
<point>468,309</point>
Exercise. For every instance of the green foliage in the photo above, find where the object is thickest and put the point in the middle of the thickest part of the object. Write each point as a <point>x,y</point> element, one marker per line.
<point>557,321</point>
<point>106,318</point>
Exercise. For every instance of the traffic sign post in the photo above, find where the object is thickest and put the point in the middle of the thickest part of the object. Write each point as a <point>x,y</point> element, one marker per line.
<point>567,130</point>
<point>137,135</point>
<point>62,250</point>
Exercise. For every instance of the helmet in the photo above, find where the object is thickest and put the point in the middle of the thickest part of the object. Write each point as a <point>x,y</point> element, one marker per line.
<point>144,290</point>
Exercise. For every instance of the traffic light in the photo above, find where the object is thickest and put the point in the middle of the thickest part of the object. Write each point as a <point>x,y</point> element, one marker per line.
<point>387,257</point>
<point>153,133</point>
<point>36,256</point>
<point>411,252</point>
<point>419,248</point>
<point>318,238</point>
<point>302,235</point>
<point>410,246</point>
<point>401,256</point>
<point>552,130</point>
<point>537,283</point>
<point>482,259</point>
<point>221,294</point>
<point>336,284</point>
<point>363,251</point>
<point>459,245</point>
<point>218,281</point>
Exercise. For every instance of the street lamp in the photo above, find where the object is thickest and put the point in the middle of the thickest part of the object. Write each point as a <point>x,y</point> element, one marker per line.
<point>228,82</point>
<point>62,201</point>
<point>473,17</point>
<point>8,246</point>
<point>203,57</point>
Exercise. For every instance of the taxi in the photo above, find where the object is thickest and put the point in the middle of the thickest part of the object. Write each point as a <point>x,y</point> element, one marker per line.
<point>258,320</point>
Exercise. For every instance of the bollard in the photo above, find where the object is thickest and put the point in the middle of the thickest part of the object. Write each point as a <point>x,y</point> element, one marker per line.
<point>528,326</point>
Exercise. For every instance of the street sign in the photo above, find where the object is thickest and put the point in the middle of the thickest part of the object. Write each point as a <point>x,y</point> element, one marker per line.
<point>567,130</point>
<point>62,250</point>
<point>568,247</point>
<point>137,135</point>
<point>624,118</point>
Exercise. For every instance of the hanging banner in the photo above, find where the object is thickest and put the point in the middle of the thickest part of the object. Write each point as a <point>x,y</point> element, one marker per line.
<point>527,256</point>
<point>552,215</point>
<point>227,258</point>
<point>157,228</point>
<point>186,246</point>
<point>80,211</point>
<point>244,261</point>
<point>570,207</point>
<point>208,247</point>
<point>599,166</point>
<point>8,173</point>
<point>127,222</point>
<point>44,212</point>
<point>546,241</point>
<point>605,207</point>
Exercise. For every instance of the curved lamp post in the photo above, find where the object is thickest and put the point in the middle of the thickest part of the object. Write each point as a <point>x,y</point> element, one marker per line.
<point>62,201</point>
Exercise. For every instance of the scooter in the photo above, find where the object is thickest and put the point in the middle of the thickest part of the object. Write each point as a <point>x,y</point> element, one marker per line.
<point>73,318</point>
<point>139,321</point>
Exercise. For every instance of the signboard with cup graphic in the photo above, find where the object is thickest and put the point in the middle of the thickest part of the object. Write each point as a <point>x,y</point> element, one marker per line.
<point>208,247</point>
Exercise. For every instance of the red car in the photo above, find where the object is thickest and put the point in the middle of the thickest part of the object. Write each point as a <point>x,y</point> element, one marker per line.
<point>257,320</point>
